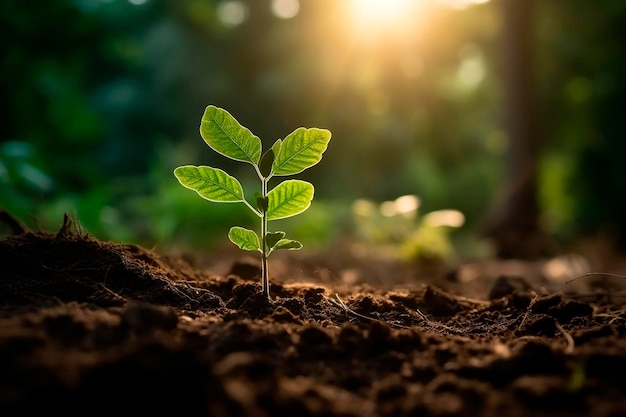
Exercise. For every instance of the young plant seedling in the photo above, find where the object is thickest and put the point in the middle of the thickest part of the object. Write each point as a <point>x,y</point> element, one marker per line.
<point>299,150</point>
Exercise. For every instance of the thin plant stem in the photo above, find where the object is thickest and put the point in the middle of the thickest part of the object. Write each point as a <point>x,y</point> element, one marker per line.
<point>265,282</point>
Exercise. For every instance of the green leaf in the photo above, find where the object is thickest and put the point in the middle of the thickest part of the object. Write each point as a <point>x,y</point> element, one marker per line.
<point>226,136</point>
<point>210,183</point>
<point>272,238</point>
<point>287,244</point>
<point>300,150</point>
<point>276,148</point>
<point>244,238</point>
<point>261,202</point>
<point>289,198</point>
<point>267,160</point>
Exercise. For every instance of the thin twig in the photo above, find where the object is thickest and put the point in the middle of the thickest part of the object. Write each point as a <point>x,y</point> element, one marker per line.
<point>472,300</point>
<point>570,340</point>
<point>111,292</point>
<point>605,275</point>
<point>417,312</point>
<point>435,324</point>
<point>349,310</point>
<point>591,274</point>
<point>363,316</point>
<point>530,306</point>
<point>422,315</point>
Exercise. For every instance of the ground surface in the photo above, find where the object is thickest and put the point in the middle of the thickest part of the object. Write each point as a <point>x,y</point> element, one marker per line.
<point>90,327</point>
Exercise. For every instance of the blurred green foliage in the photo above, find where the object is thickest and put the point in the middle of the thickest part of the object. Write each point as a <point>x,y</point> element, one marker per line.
<point>584,94</point>
<point>101,100</point>
<point>398,230</point>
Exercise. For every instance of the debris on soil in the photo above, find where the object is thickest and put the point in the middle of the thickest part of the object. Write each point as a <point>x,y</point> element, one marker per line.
<point>87,325</point>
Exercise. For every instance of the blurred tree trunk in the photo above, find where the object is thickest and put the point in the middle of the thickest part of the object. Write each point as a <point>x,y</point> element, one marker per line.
<point>513,224</point>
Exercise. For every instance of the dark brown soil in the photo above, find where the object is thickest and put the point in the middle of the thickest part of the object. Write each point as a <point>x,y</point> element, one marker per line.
<point>91,327</point>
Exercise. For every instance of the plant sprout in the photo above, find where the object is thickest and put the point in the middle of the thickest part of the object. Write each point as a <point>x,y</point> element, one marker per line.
<point>299,150</point>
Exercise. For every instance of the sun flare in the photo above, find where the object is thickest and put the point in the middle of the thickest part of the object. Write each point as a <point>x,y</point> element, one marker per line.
<point>380,10</point>
<point>378,17</point>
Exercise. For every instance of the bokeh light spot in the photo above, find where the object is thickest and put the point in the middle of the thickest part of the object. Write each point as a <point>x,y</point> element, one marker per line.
<point>449,218</point>
<point>285,9</point>
<point>232,13</point>
<point>405,205</point>
<point>471,71</point>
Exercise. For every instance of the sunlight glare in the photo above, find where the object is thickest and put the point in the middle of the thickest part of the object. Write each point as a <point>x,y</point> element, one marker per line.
<point>372,16</point>
<point>372,10</point>
<point>462,4</point>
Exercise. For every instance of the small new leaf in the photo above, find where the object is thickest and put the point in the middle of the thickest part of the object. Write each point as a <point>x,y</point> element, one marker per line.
<point>244,238</point>
<point>261,202</point>
<point>287,244</point>
<point>265,166</point>
<point>272,238</point>
<point>276,151</point>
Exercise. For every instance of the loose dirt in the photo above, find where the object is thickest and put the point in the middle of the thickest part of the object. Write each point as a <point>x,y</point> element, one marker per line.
<point>94,327</point>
